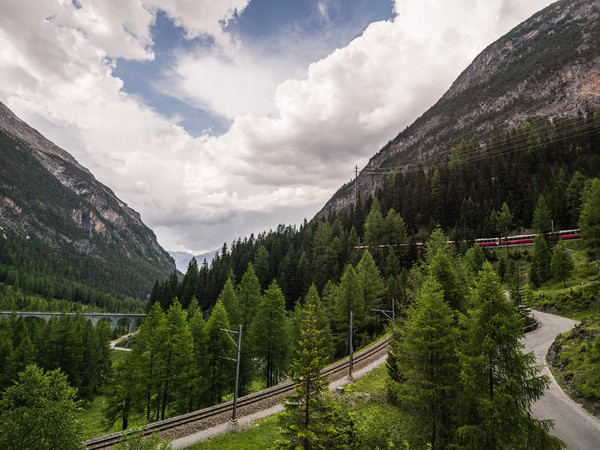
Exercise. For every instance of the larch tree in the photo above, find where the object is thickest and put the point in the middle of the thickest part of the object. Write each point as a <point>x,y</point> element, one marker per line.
<point>269,334</point>
<point>39,411</point>
<point>499,382</point>
<point>427,364</point>
<point>349,298</point>
<point>371,283</point>
<point>308,418</point>
<point>175,352</point>
<point>589,220</point>
<point>220,371</point>
<point>248,293</point>
<point>562,265</point>
<point>542,222</point>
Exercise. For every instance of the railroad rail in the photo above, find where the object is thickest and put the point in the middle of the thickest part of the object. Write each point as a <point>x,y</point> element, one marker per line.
<point>220,409</point>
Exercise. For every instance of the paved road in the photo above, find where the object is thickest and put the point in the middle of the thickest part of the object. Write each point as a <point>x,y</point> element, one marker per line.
<point>573,424</point>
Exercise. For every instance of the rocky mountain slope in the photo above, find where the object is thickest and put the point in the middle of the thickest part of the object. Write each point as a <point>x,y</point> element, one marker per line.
<point>48,197</point>
<point>547,66</point>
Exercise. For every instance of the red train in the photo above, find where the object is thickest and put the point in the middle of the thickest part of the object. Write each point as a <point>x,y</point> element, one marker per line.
<point>523,239</point>
<point>493,242</point>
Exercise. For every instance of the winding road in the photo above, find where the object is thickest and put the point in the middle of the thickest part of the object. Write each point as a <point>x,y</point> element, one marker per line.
<point>573,424</point>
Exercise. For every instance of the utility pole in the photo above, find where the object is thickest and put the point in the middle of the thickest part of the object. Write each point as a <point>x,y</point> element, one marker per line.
<point>237,366</point>
<point>387,313</point>
<point>351,349</point>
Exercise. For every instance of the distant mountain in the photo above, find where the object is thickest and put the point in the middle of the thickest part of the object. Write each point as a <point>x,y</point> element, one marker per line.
<point>182,259</point>
<point>54,208</point>
<point>547,66</point>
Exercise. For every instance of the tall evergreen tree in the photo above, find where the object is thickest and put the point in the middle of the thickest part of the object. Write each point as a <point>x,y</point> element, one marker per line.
<point>589,220</point>
<point>541,262</point>
<point>542,222</point>
<point>428,363</point>
<point>248,293</point>
<point>308,420</point>
<point>499,382</point>
<point>371,283</point>
<point>269,334</point>
<point>219,377</point>
<point>39,412</point>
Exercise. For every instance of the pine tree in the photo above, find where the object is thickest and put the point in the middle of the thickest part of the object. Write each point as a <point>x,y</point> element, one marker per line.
<point>308,418</point>
<point>427,363</point>
<point>499,382</point>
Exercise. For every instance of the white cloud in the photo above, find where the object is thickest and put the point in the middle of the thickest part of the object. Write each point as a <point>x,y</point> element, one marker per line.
<point>294,138</point>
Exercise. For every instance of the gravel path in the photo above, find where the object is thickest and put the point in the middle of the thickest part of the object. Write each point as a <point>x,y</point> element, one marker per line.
<point>573,424</point>
<point>249,419</point>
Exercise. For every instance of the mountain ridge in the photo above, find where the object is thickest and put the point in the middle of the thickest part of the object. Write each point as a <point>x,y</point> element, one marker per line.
<point>45,194</point>
<point>549,65</point>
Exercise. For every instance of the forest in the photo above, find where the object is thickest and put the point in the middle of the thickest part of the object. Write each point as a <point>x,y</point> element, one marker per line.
<point>539,177</point>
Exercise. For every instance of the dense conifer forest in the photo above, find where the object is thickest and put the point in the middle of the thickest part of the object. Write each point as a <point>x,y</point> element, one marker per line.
<point>292,290</point>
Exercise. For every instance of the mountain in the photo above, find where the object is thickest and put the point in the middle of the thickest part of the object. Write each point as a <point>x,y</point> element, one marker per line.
<point>53,207</point>
<point>548,66</point>
<point>182,259</point>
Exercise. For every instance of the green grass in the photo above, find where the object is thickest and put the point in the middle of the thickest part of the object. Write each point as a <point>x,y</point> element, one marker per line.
<point>574,360</point>
<point>364,412</point>
<point>261,435</point>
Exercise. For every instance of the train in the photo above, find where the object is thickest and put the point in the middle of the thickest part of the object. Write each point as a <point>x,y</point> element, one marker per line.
<point>524,239</point>
<point>521,239</point>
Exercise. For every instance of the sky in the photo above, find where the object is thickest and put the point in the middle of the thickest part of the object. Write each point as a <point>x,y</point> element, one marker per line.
<point>216,119</point>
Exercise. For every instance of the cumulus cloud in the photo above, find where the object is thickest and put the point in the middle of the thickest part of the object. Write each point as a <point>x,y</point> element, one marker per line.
<point>294,138</point>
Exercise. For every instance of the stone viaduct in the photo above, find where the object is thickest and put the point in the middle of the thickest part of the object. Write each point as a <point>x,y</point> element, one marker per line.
<point>93,317</point>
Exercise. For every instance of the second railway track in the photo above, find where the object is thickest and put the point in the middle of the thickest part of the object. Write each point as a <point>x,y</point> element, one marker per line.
<point>186,424</point>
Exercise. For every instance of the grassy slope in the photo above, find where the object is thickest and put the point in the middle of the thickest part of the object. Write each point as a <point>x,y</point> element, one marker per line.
<point>371,419</point>
<point>574,357</point>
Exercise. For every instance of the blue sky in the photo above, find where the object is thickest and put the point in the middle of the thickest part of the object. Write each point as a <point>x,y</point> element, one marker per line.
<point>217,119</point>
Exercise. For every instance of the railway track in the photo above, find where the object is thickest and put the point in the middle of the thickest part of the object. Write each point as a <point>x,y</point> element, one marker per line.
<point>208,415</point>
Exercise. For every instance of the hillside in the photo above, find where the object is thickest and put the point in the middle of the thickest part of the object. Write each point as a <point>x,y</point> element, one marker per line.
<point>547,66</point>
<point>67,223</point>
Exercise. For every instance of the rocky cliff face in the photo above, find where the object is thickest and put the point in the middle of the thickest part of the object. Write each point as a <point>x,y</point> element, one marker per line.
<point>547,66</point>
<point>47,195</point>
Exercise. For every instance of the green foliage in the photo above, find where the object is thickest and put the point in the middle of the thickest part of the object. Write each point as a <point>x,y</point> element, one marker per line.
<point>137,441</point>
<point>308,417</point>
<point>427,363</point>
<point>270,335</point>
<point>38,412</point>
<point>542,223</point>
<point>69,343</point>
<point>541,269</point>
<point>561,265</point>
<point>589,221</point>
<point>500,383</point>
